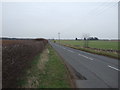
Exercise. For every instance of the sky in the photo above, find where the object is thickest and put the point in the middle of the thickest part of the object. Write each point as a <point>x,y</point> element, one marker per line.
<point>72,19</point>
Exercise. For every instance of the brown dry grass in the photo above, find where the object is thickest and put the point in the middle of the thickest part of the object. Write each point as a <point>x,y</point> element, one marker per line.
<point>41,66</point>
<point>44,59</point>
<point>0,42</point>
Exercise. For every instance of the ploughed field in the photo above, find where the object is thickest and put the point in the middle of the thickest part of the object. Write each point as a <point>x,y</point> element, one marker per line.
<point>16,56</point>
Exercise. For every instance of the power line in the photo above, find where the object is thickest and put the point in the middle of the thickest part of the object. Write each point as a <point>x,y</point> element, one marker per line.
<point>104,7</point>
<point>114,5</point>
<point>99,7</point>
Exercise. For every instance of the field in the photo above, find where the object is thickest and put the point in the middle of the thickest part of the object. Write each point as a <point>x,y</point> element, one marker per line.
<point>93,44</point>
<point>16,56</point>
<point>106,48</point>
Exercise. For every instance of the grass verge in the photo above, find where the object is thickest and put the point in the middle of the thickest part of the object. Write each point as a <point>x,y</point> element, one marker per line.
<point>46,71</point>
<point>112,55</point>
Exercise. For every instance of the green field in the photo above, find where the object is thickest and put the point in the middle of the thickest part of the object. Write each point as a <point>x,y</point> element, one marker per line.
<point>93,44</point>
<point>102,46</point>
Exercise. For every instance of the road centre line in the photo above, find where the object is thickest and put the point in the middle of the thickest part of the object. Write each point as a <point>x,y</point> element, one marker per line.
<point>113,68</point>
<point>70,51</point>
<point>64,48</point>
<point>78,54</point>
<point>85,56</point>
<point>90,59</point>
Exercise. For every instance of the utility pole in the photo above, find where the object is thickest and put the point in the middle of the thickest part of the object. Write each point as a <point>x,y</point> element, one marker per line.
<point>59,37</point>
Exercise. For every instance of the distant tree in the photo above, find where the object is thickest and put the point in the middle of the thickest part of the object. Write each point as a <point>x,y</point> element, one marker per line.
<point>76,39</point>
<point>95,38</point>
<point>84,38</point>
<point>90,38</point>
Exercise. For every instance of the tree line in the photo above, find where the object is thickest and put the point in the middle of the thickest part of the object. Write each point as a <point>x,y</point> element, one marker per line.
<point>90,38</point>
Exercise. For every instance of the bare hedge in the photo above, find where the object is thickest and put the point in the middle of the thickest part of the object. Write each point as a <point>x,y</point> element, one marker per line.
<point>16,55</point>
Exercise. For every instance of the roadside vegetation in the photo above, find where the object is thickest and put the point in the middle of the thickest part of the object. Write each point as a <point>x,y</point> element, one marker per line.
<point>16,57</point>
<point>47,70</point>
<point>106,48</point>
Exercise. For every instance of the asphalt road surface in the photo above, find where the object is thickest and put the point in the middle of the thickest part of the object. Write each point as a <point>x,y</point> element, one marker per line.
<point>98,71</point>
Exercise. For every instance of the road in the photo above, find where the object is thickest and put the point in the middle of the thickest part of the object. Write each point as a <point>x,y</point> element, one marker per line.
<point>98,71</point>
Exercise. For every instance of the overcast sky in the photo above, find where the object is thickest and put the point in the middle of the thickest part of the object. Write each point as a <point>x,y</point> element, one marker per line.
<point>46,19</point>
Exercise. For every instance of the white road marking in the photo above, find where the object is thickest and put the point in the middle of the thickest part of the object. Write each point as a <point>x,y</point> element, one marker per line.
<point>78,54</point>
<point>85,56</point>
<point>70,51</point>
<point>91,58</point>
<point>113,68</point>
<point>64,48</point>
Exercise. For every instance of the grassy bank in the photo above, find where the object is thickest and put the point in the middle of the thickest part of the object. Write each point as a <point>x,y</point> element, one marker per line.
<point>46,71</point>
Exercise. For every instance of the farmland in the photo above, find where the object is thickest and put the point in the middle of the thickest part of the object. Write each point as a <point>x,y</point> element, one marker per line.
<point>93,44</point>
<point>16,56</point>
<point>106,48</point>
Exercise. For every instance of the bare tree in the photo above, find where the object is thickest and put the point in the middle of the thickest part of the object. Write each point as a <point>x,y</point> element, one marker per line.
<point>76,39</point>
<point>86,36</point>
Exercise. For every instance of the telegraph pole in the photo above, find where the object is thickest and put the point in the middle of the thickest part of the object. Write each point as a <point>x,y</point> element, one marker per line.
<point>59,37</point>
